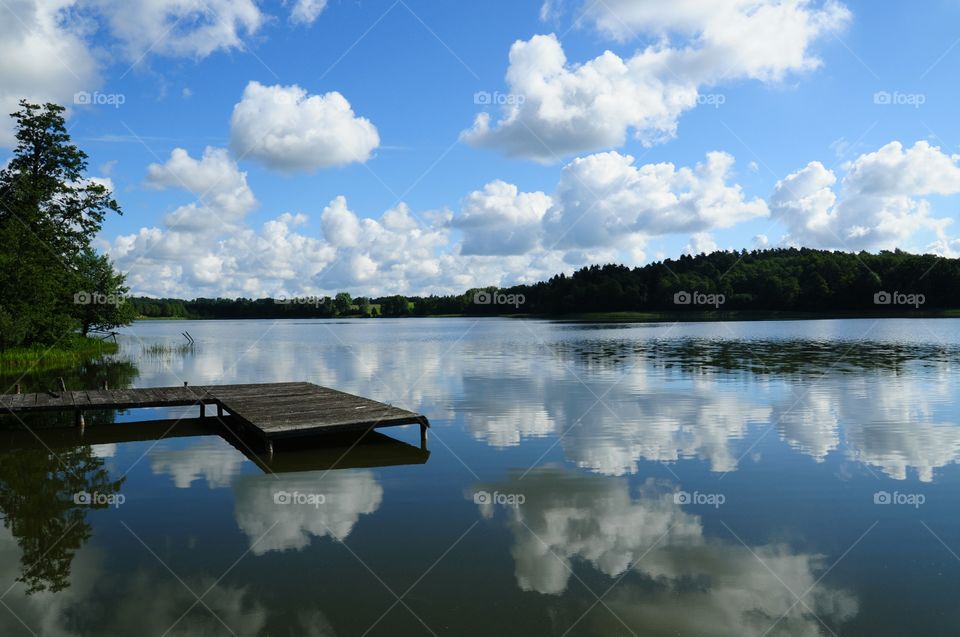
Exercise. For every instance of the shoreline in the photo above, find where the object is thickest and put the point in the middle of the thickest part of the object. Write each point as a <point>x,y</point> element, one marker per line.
<point>624,316</point>
<point>41,358</point>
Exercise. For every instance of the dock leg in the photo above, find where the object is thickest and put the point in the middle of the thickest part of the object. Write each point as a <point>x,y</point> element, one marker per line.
<point>78,420</point>
<point>219,410</point>
<point>270,448</point>
<point>203,409</point>
<point>423,436</point>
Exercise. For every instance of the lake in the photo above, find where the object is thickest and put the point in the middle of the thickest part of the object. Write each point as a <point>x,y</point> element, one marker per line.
<point>750,478</point>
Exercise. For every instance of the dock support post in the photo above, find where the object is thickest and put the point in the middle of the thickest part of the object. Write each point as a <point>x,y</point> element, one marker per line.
<point>219,410</point>
<point>423,437</point>
<point>203,409</point>
<point>78,420</point>
<point>270,449</point>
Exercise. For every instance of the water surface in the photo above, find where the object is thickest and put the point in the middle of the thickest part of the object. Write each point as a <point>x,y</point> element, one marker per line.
<point>755,478</point>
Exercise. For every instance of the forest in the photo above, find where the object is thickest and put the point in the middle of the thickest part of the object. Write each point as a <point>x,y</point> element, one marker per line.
<point>794,280</point>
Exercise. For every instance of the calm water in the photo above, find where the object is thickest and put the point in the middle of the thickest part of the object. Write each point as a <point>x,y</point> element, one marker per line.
<point>782,478</point>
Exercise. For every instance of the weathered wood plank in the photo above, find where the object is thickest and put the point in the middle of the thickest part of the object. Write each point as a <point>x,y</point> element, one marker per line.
<point>54,400</point>
<point>13,401</point>
<point>300,404</point>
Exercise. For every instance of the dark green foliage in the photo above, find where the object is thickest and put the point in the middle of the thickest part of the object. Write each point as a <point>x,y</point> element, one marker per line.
<point>363,305</point>
<point>100,297</point>
<point>342,303</point>
<point>395,306</point>
<point>49,211</point>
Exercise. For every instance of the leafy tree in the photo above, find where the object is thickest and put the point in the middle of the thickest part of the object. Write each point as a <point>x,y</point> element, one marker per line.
<point>342,303</point>
<point>395,306</point>
<point>49,211</point>
<point>363,305</point>
<point>100,300</point>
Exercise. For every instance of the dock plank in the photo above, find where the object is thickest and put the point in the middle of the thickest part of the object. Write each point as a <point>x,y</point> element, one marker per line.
<point>321,417</point>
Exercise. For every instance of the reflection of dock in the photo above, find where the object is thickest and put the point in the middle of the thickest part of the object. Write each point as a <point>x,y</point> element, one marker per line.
<point>268,411</point>
<point>67,437</point>
<point>334,451</point>
<point>340,451</point>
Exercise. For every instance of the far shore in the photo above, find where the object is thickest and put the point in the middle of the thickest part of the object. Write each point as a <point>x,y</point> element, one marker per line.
<point>631,317</point>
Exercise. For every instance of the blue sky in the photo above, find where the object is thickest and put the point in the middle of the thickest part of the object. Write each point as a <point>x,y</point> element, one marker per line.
<point>288,194</point>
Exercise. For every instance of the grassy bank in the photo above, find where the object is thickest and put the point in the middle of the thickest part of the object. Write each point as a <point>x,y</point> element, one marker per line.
<point>67,352</point>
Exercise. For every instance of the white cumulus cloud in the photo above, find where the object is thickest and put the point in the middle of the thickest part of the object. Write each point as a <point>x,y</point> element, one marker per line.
<point>604,198</point>
<point>178,27</point>
<point>757,39</point>
<point>223,196</point>
<point>558,108</point>
<point>879,203</point>
<point>289,130</point>
<point>502,220</point>
<point>42,58</point>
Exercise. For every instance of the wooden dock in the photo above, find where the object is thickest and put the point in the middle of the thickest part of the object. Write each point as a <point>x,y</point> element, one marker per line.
<point>268,411</point>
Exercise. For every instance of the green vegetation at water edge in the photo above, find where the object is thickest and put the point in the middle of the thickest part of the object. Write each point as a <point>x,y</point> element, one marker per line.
<point>68,352</point>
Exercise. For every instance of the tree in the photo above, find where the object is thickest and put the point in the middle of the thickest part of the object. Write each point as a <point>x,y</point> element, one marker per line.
<point>396,305</point>
<point>342,303</point>
<point>363,305</point>
<point>100,302</point>
<point>49,211</point>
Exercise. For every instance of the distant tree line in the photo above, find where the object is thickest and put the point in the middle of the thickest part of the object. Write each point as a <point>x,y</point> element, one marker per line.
<point>787,280</point>
<point>295,307</point>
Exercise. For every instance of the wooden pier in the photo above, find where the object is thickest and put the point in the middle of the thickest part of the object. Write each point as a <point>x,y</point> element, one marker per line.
<point>267,411</point>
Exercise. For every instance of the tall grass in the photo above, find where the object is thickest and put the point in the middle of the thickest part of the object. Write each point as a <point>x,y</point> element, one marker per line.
<point>166,349</point>
<point>70,351</point>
